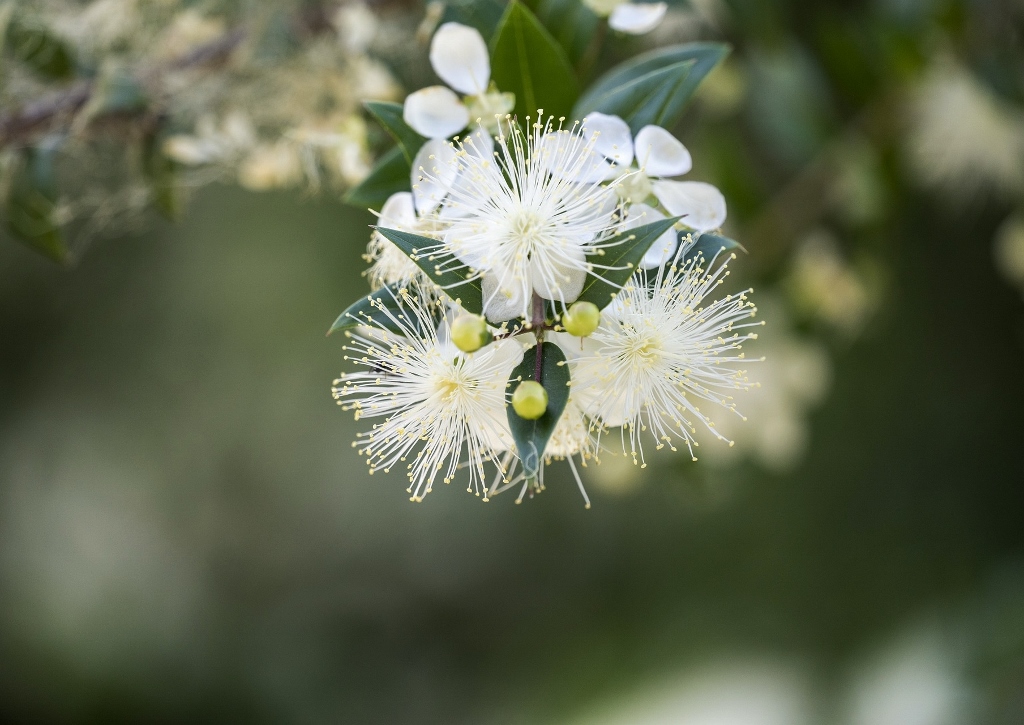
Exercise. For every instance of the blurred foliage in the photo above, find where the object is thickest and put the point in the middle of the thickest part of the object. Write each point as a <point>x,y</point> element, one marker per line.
<point>185,534</point>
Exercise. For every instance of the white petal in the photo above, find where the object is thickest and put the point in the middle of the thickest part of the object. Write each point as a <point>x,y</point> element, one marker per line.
<point>567,156</point>
<point>398,212</point>
<point>659,153</point>
<point>701,205</point>
<point>562,282</point>
<point>480,144</point>
<point>637,19</point>
<point>435,112</point>
<point>433,172</point>
<point>615,140</point>
<point>664,246</point>
<point>501,304</point>
<point>459,56</point>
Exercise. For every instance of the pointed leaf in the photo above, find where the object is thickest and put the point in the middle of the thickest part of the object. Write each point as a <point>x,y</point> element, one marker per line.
<point>624,252</point>
<point>31,203</point>
<point>528,62</point>
<point>484,15</point>
<point>391,174</point>
<point>35,45</point>
<point>455,278</point>
<point>571,23</point>
<point>652,88</point>
<point>161,174</point>
<point>531,436</point>
<point>381,308</point>
<point>708,245</point>
<point>389,115</point>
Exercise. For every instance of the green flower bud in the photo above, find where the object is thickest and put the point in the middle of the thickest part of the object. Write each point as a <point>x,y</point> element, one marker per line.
<point>581,319</point>
<point>470,333</point>
<point>530,400</point>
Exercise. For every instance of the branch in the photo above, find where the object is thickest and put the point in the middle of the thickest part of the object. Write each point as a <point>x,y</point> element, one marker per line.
<point>68,102</point>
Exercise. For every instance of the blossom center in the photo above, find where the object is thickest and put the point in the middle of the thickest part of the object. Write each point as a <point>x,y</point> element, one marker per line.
<point>526,231</point>
<point>644,350</point>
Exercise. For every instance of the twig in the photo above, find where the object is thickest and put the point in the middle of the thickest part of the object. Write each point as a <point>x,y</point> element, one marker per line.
<point>538,324</point>
<point>69,101</point>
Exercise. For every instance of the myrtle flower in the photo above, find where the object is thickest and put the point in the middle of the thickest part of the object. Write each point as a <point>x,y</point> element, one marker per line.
<point>659,156</point>
<point>627,17</point>
<point>524,229</point>
<point>437,403</point>
<point>659,351</point>
<point>459,56</point>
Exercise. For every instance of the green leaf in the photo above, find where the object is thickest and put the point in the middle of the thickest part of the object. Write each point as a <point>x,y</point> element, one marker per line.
<point>161,173</point>
<point>571,23</point>
<point>390,175</point>
<point>708,245</point>
<point>32,201</point>
<point>531,436</point>
<point>381,308</point>
<point>652,88</point>
<point>389,115</point>
<point>624,252</point>
<point>6,13</point>
<point>446,271</point>
<point>484,15</point>
<point>33,44</point>
<point>527,61</point>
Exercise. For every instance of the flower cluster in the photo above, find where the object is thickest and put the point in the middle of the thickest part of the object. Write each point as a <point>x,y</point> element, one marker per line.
<point>543,287</point>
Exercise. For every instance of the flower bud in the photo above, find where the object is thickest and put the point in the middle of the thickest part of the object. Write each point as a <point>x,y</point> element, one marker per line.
<point>530,400</point>
<point>581,319</point>
<point>470,333</point>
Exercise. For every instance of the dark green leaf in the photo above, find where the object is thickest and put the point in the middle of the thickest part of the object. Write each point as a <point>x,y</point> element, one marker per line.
<point>390,175</point>
<point>531,436</point>
<point>36,46</point>
<point>161,173</point>
<point>390,117</point>
<point>451,275</point>
<point>380,308</point>
<point>527,61</point>
<point>652,88</point>
<point>32,201</point>
<point>571,23</point>
<point>484,15</point>
<point>708,245</point>
<point>623,252</point>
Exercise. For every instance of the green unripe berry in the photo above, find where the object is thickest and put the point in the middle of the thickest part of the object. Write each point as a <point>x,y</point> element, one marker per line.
<point>581,319</point>
<point>530,400</point>
<point>470,333</point>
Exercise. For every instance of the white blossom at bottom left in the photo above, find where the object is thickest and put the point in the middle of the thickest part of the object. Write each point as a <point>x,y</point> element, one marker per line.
<point>437,403</point>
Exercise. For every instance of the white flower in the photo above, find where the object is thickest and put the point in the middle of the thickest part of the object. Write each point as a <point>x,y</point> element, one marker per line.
<point>436,402</point>
<point>659,155</point>
<point>658,352</point>
<point>627,17</point>
<point>459,56</point>
<point>389,264</point>
<point>524,229</point>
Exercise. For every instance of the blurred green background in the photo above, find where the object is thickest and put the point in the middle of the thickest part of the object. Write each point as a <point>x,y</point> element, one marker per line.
<point>186,534</point>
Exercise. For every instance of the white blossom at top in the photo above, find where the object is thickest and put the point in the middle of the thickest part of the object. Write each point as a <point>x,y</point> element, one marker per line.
<point>460,58</point>
<point>436,402</point>
<point>659,156</point>
<point>522,228</point>
<point>627,17</point>
<point>660,350</point>
<point>433,173</point>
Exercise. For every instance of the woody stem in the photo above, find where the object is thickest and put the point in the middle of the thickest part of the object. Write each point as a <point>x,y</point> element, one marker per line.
<point>538,325</point>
